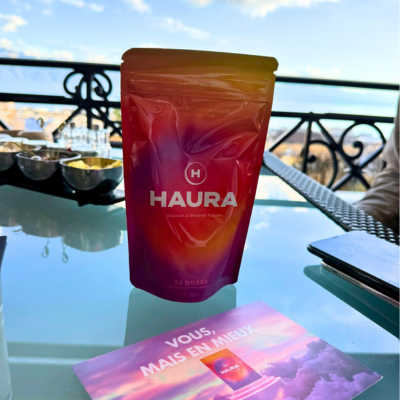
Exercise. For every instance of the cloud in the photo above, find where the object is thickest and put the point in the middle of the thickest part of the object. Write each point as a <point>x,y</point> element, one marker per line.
<point>10,23</point>
<point>75,3</point>
<point>338,388</point>
<point>102,58</point>
<point>201,3</point>
<point>317,72</point>
<point>23,50</point>
<point>49,54</point>
<point>301,209</point>
<point>97,58</point>
<point>139,5</point>
<point>81,4</point>
<point>322,373</point>
<point>260,8</point>
<point>6,44</point>
<point>47,11</point>
<point>174,25</point>
<point>262,225</point>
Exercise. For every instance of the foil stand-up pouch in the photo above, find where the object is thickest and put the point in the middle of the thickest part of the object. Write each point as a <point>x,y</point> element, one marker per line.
<point>194,127</point>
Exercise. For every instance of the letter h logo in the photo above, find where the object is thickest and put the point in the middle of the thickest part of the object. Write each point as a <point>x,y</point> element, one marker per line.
<point>195,173</point>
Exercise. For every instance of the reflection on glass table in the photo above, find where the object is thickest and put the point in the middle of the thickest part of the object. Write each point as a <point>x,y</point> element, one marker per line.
<point>57,314</point>
<point>80,228</point>
<point>5,377</point>
<point>376,310</point>
<point>379,311</point>
<point>149,315</point>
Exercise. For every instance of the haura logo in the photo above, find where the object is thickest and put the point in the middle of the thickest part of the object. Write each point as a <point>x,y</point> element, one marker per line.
<point>229,369</point>
<point>195,173</point>
<point>198,199</point>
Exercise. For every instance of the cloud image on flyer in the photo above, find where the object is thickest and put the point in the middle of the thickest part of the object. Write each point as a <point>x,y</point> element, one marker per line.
<point>251,352</point>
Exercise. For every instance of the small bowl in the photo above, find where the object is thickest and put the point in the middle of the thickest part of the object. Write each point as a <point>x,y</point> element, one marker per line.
<point>40,170</point>
<point>98,181</point>
<point>7,160</point>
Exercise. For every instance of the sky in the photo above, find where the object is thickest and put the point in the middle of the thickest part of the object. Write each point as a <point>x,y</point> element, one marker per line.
<point>338,39</point>
<point>345,39</point>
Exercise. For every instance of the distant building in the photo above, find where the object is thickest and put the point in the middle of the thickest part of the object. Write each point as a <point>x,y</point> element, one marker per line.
<point>24,117</point>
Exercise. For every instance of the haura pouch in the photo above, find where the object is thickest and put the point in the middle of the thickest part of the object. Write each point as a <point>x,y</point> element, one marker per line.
<point>194,127</point>
<point>231,369</point>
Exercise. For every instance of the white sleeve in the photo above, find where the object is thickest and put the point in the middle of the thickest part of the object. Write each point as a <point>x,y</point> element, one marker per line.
<point>382,200</point>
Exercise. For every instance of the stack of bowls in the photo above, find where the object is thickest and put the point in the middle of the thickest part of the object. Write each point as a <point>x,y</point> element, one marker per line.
<point>40,164</point>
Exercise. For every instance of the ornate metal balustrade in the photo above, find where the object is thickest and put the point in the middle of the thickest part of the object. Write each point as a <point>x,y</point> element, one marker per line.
<point>94,87</point>
<point>89,95</point>
<point>354,164</point>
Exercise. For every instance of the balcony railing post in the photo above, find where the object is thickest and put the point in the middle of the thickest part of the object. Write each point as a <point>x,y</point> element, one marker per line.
<point>306,145</point>
<point>89,87</point>
<point>4,125</point>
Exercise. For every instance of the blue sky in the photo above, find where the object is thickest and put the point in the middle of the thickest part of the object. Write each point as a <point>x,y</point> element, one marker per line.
<point>346,39</point>
<point>339,39</point>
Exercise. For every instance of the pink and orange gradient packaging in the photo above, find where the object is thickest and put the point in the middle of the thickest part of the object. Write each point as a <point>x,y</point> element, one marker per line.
<point>194,129</point>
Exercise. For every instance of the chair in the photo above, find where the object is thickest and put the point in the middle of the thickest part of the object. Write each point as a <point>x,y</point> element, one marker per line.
<point>349,217</point>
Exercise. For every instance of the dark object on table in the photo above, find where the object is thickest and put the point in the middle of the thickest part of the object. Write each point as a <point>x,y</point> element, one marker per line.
<point>102,180</point>
<point>3,242</point>
<point>361,285</point>
<point>349,217</point>
<point>363,259</point>
<point>56,186</point>
<point>44,164</point>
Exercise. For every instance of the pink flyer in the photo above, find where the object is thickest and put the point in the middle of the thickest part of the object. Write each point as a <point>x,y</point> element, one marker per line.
<point>251,352</point>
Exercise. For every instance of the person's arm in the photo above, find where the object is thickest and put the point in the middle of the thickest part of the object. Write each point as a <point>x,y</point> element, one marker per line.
<point>382,200</point>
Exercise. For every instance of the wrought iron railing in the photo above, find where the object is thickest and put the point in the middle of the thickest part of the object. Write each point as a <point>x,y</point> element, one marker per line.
<point>89,95</point>
<point>94,87</point>
<point>354,164</point>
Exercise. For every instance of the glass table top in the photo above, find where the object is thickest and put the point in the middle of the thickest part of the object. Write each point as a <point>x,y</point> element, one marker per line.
<point>67,297</point>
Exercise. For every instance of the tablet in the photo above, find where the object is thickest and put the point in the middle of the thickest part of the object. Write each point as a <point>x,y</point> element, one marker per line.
<point>367,259</point>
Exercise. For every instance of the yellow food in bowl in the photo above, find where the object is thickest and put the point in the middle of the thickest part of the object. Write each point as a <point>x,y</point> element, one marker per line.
<point>82,165</point>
